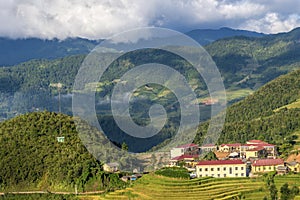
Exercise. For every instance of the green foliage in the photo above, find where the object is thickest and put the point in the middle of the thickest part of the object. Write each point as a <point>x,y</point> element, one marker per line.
<point>255,116</point>
<point>176,172</point>
<point>124,146</point>
<point>31,157</point>
<point>210,156</point>
<point>288,193</point>
<point>48,196</point>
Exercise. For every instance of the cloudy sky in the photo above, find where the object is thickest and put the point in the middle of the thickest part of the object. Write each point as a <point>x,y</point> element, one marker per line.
<point>96,19</point>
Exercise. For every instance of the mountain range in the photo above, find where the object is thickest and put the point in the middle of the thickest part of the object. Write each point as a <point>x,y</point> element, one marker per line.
<point>15,51</point>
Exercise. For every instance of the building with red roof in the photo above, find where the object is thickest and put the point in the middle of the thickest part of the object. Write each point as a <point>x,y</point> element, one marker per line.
<point>221,168</point>
<point>267,165</point>
<point>186,149</point>
<point>235,147</point>
<point>188,160</point>
<point>208,147</point>
<point>248,150</point>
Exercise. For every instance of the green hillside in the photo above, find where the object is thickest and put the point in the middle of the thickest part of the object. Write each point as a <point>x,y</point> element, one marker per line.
<point>32,159</point>
<point>269,114</point>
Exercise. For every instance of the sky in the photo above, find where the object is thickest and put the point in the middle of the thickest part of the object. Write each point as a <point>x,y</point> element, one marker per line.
<point>96,19</point>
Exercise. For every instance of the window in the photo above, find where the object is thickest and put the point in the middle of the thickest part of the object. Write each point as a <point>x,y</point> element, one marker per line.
<point>206,169</point>
<point>242,168</point>
<point>212,175</point>
<point>230,170</point>
<point>200,175</point>
<point>264,168</point>
<point>224,168</point>
<point>211,169</point>
<point>270,168</point>
<point>242,174</point>
<point>236,168</point>
<point>236,175</point>
<point>206,174</point>
<point>224,175</point>
<point>259,169</point>
<point>218,175</point>
<point>200,169</point>
<point>218,168</point>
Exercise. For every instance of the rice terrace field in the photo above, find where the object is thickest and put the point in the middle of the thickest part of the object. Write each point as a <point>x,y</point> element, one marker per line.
<point>152,186</point>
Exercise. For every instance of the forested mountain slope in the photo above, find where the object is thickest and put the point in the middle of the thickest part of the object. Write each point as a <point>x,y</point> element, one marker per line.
<point>265,115</point>
<point>31,158</point>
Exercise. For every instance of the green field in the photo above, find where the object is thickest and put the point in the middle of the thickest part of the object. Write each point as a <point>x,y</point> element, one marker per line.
<point>153,186</point>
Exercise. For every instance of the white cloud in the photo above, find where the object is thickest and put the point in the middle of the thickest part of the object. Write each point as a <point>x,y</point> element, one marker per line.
<point>102,18</point>
<point>273,23</point>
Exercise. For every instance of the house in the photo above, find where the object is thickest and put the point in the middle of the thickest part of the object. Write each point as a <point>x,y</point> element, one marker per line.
<point>208,147</point>
<point>187,149</point>
<point>221,168</point>
<point>230,147</point>
<point>267,165</point>
<point>187,160</point>
<point>270,149</point>
<point>111,167</point>
<point>293,166</point>
<point>257,152</point>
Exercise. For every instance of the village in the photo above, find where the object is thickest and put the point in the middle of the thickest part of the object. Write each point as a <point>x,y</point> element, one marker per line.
<point>233,160</point>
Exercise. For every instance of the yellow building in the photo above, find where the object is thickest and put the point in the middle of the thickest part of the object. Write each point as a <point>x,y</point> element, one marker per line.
<point>294,166</point>
<point>267,165</point>
<point>257,152</point>
<point>221,168</point>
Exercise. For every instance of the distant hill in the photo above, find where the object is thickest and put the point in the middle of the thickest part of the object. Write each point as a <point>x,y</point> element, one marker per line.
<point>206,36</point>
<point>267,115</point>
<point>31,158</point>
<point>15,51</point>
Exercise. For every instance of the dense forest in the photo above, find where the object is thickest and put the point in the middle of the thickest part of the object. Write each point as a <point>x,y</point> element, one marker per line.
<point>265,115</point>
<point>31,158</point>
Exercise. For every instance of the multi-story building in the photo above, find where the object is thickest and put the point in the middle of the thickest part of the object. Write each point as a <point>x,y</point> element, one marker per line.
<point>221,168</point>
<point>230,147</point>
<point>208,147</point>
<point>257,145</point>
<point>267,165</point>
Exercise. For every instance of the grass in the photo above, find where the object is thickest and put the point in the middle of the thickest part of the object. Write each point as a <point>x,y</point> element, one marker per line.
<point>153,186</point>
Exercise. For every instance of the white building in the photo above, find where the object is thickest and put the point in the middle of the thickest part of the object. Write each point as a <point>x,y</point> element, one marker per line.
<point>221,168</point>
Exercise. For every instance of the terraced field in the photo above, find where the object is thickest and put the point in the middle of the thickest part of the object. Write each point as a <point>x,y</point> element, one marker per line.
<point>158,187</point>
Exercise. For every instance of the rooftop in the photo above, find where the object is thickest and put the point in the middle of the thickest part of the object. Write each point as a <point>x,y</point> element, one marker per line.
<point>220,162</point>
<point>182,157</point>
<point>259,148</point>
<point>268,162</point>
<point>187,145</point>
<point>231,145</point>
<point>256,141</point>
